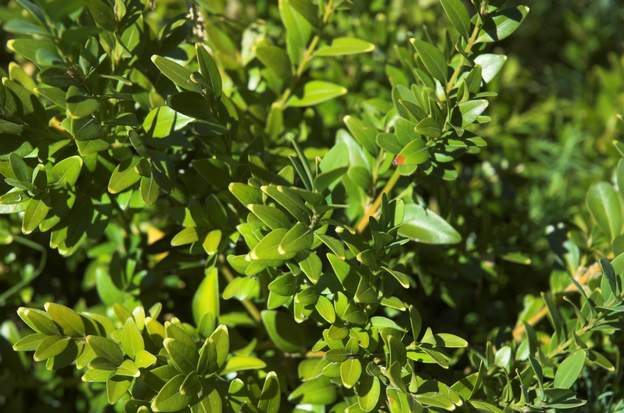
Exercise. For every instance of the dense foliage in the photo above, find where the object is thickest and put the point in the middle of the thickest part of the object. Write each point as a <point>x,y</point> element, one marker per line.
<point>311,206</point>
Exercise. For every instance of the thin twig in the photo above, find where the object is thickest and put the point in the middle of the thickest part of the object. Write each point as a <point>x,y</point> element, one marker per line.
<point>374,207</point>
<point>471,42</point>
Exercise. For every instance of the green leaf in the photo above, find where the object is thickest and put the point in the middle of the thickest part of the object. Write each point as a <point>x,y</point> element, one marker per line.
<point>297,239</point>
<point>326,309</point>
<point>317,391</point>
<point>438,400</point>
<point>270,397</point>
<point>307,10</point>
<point>285,284</point>
<point>604,204</point>
<point>205,303</point>
<point>502,358</point>
<point>502,23</point>
<point>128,369</point>
<point>381,323</point>
<point>363,132</point>
<point>191,386</point>
<point>471,110</point>
<point>144,359</point>
<point>458,16</point>
<point>130,339</point>
<point>207,361</point>
<point>350,371</point>
<point>123,177</point>
<point>185,236</point>
<point>402,279</point>
<point>246,194</point>
<point>268,247</point>
<point>208,68</point>
<point>450,340</point>
<point>183,355</point>
<point>10,128</point>
<point>432,58</point>
<point>335,245</point>
<point>38,320</point>
<point>342,46</point>
<point>212,241</point>
<point>298,31</point>
<point>78,104</point>
<point>422,225</point>
<point>96,375</point>
<point>34,9</point>
<point>116,388</point>
<point>429,127</point>
<point>289,200</point>
<point>326,180</point>
<point>312,267</point>
<point>485,407</point>
<point>106,348</point>
<point>285,334</point>
<point>570,369</point>
<point>272,217</point>
<point>169,398</point>
<point>22,172</point>
<point>397,401</point>
<point>341,268</point>
<point>163,121</point>
<point>415,322</point>
<point>175,72</point>
<point>221,339</point>
<point>276,59</point>
<point>239,363</point>
<point>102,14</point>
<point>68,319</point>
<point>561,399</point>
<point>368,390</point>
<point>212,403</point>
<point>315,92</point>
<point>51,346</point>
<point>149,190</point>
<point>490,64</point>
<point>36,211</point>
<point>67,171</point>
<point>29,343</point>
<point>413,154</point>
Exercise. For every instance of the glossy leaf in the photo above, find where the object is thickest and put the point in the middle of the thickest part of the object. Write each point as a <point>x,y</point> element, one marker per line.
<point>432,58</point>
<point>350,371</point>
<point>570,369</point>
<point>315,92</point>
<point>458,16</point>
<point>345,46</point>
<point>206,302</point>
<point>177,73</point>
<point>604,204</point>
<point>422,225</point>
<point>502,24</point>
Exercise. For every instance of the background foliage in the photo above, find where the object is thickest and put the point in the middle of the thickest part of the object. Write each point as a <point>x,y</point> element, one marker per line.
<point>190,183</point>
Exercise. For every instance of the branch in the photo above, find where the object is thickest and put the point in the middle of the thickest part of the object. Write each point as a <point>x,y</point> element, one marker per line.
<point>374,207</point>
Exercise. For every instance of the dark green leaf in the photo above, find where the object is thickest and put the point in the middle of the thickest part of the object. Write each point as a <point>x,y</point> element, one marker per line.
<point>432,58</point>
<point>458,16</point>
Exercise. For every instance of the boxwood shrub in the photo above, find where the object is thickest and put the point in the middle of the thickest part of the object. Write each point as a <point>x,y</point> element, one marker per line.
<point>291,205</point>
